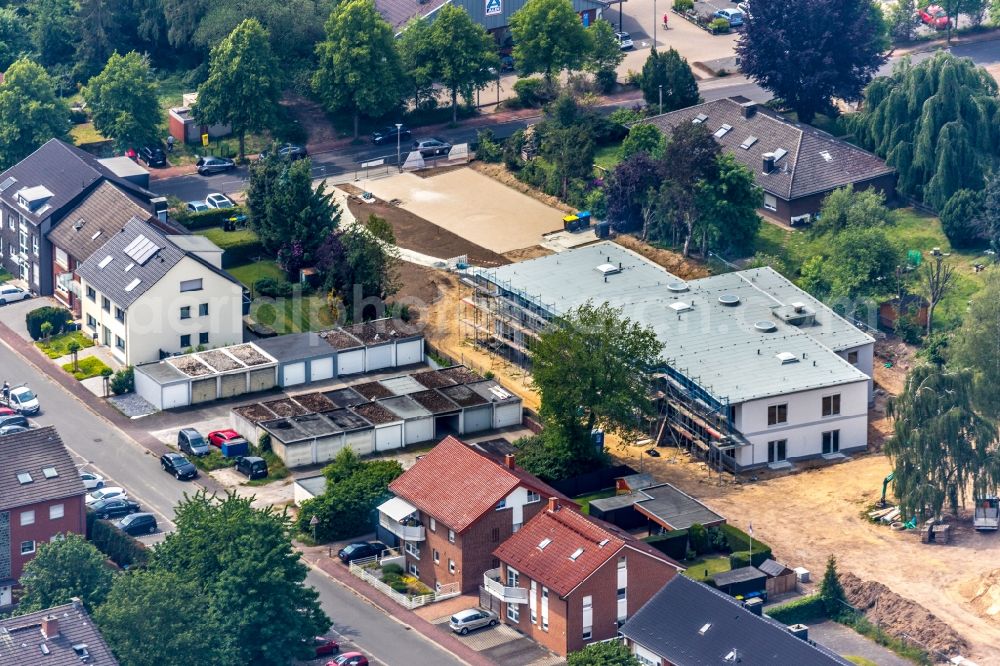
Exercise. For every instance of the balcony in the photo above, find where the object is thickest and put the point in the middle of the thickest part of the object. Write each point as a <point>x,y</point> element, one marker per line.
<point>400,518</point>
<point>509,595</point>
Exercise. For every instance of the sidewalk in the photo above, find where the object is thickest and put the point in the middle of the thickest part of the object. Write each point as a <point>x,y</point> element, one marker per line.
<point>942,43</point>
<point>318,557</point>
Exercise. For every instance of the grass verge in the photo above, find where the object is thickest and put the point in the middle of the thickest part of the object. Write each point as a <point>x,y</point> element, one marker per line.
<point>58,345</point>
<point>703,568</point>
<point>275,470</point>
<point>86,368</point>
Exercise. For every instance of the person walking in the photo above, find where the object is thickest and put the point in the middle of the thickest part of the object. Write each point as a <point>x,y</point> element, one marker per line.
<point>6,391</point>
<point>170,143</point>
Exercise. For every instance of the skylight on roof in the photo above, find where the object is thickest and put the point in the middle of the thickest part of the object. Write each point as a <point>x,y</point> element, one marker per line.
<point>704,628</point>
<point>779,153</point>
<point>7,183</point>
<point>786,357</point>
<point>608,269</point>
<point>750,140</point>
<point>576,554</point>
<point>543,543</point>
<point>825,154</point>
<point>130,266</point>
<point>133,284</point>
<point>700,118</point>
<point>721,132</point>
<point>50,472</point>
<point>604,542</point>
<point>24,478</point>
<point>105,261</point>
<point>680,306</point>
<point>96,234</point>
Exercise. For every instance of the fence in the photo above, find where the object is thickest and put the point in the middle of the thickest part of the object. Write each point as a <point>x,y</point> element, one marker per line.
<point>361,569</point>
<point>591,482</point>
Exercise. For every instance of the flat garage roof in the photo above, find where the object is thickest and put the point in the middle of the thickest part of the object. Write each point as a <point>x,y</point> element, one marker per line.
<point>665,505</point>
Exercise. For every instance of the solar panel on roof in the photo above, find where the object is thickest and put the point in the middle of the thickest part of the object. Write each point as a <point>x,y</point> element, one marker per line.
<point>7,183</point>
<point>141,249</point>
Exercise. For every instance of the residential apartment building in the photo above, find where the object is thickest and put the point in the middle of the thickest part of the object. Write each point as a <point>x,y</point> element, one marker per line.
<point>59,636</point>
<point>36,196</point>
<point>454,507</point>
<point>754,370</point>
<point>145,295</point>
<point>567,580</point>
<point>41,497</point>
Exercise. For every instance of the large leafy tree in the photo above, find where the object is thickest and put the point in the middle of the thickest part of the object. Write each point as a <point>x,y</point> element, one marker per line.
<point>30,112</point>
<point>417,57</point>
<point>962,218</point>
<point>976,345</point>
<point>243,560</point>
<point>123,101</point>
<point>808,52</point>
<point>463,53</point>
<point>937,123</point>
<point>604,53</point>
<point>989,211</point>
<point>243,85</point>
<point>52,26</point>
<point>606,653</point>
<point>359,263</point>
<point>293,26</point>
<point>630,190</point>
<point>844,209</point>
<point>97,25</point>
<point>15,41</point>
<point>155,607</point>
<point>61,570</point>
<point>670,73</point>
<point>728,217</point>
<point>860,260</point>
<point>290,216</point>
<point>548,37</point>
<point>941,446</point>
<point>359,67</point>
<point>690,161</point>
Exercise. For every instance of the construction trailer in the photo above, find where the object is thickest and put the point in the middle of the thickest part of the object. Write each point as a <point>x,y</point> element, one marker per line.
<point>987,515</point>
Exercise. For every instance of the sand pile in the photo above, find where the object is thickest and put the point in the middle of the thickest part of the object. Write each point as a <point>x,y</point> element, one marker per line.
<point>983,594</point>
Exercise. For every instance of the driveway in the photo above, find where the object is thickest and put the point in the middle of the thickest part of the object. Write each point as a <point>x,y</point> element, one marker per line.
<point>847,642</point>
<point>503,645</point>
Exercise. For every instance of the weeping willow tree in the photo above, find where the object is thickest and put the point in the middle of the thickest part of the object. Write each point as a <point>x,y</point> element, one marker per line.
<point>941,447</point>
<point>937,123</point>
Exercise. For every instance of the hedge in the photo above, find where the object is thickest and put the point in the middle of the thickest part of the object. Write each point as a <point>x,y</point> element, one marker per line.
<point>799,611</point>
<point>215,217</point>
<point>244,252</point>
<point>739,559</point>
<point>120,548</point>
<point>672,544</point>
<point>58,317</point>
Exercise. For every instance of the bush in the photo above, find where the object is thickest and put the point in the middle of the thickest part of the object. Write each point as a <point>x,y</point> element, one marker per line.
<point>718,25</point>
<point>392,569</point>
<point>264,443</point>
<point>123,381</point>
<point>740,559</point>
<point>487,149</point>
<point>533,92</point>
<point>605,79</point>
<point>122,549</point>
<point>672,544</point>
<point>683,5</point>
<point>512,151</point>
<point>738,543</point>
<point>698,536</point>
<point>213,461</point>
<point>272,288</point>
<point>206,219</point>
<point>799,611</point>
<point>400,586</point>
<point>57,317</point>
<point>960,218</point>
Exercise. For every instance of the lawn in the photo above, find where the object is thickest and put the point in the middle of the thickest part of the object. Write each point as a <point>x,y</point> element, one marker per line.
<point>294,314</point>
<point>85,133</point>
<point>58,345</point>
<point>87,368</point>
<point>703,568</point>
<point>250,273</point>
<point>228,239</point>
<point>607,157</point>
<point>585,500</point>
<point>4,275</point>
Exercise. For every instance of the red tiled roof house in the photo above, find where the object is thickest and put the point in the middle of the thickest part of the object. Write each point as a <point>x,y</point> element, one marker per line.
<point>454,507</point>
<point>567,579</point>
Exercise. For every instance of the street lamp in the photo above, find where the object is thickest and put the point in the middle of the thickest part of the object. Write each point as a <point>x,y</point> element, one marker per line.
<point>661,99</point>
<point>399,128</point>
<point>653,46</point>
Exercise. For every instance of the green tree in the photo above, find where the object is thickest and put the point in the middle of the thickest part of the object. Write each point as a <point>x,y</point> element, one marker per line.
<point>243,84</point>
<point>155,607</point>
<point>937,278</point>
<point>728,218</point>
<point>123,101</point>
<point>644,138</point>
<point>243,560</point>
<point>941,447</point>
<point>61,570</point>
<point>611,653</point>
<point>290,216</point>
<point>30,112</point>
<point>463,53</point>
<point>976,345</point>
<point>359,67</point>
<point>15,41</point>
<point>844,208</point>
<point>990,214</point>
<point>670,73</point>
<point>902,27</point>
<point>52,27</point>
<point>570,150</point>
<point>962,219</point>
<point>690,162</point>
<point>831,591</point>
<point>859,263</point>
<point>360,263</point>
<point>604,53</point>
<point>548,37</point>
<point>937,123</point>
<point>97,25</point>
<point>293,26</point>
<point>417,58</point>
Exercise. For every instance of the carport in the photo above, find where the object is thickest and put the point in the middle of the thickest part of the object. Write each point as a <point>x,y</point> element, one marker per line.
<point>302,358</point>
<point>418,423</point>
<point>662,508</point>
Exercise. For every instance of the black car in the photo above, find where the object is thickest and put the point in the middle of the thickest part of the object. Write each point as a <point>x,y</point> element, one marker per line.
<point>357,551</point>
<point>153,156</point>
<point>432,147</point>
<point>137,523</point>
<point>388,135</point>
<point>114,507</point>
<point>13,420</point>
<point>289,151</point>
<point>11,429</point>
<point>252,467</point>
<point>191,442</point>
<point>178,465</point>
<point>210,164</point>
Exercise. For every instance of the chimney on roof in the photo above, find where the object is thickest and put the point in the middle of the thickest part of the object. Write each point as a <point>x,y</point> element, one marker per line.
<point>749,109</point>
<point>508,460</point>
<point>768,162</point>
<point>554,504</point>
<point>50,626</point>
<point>160,208</point>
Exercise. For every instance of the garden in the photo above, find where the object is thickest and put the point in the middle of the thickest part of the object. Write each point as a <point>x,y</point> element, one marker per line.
<point>394,576</point>
<point>712,550</point>
<point>86,368</point>
<point>61,345</point>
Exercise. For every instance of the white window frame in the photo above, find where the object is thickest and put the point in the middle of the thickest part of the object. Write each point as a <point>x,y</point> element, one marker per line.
<point>31,547</point>
<point>451,536</point>
<point>433,525</point>
<point>412,549</point>
<point>587,617</point>
<point>27,517</point>
<point>533,602</point>
<point>533,497</point>
<point>191,285</point>
<point>436,556</point>
<point>545,608</point>
<point>57,511</point>
<point>413,570</point>
<point>770,202</point>
<point>34,245</point>
<point>514,612</point>
<point>776,421</point>
<point>451,565</point>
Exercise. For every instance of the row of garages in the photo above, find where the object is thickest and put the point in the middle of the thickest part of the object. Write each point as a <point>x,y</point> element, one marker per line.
<point>376,416</point>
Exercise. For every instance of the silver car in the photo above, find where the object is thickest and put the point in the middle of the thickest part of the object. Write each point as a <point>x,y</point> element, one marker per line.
<point>465,621</point>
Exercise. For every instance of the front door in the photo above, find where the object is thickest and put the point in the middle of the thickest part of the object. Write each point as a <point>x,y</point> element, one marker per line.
<point>776,450</point>
<point>831,441</point>
<point>107,336</point>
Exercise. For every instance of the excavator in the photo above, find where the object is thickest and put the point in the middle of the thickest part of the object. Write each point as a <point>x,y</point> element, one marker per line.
<point>885,486</point>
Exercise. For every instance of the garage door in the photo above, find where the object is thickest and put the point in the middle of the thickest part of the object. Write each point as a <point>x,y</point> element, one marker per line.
<point>293,373</point>
<point>175,395</point>
<point>478,419</point>
<point>377,358</point>
<point>361,441</point>
<point>419,430</point>
<point>321,369</point>
<point>327,448</point>
<point>350,362</point>
<point>298,455</point>
<point>409,352</point>
<point>389,437</point>
<point>508,415</point>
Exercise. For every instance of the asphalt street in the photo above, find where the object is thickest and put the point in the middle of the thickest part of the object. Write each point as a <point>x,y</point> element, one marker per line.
<point>99,446</point>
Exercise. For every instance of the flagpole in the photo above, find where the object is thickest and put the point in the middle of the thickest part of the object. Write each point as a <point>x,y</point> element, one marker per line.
<point>750,554</point>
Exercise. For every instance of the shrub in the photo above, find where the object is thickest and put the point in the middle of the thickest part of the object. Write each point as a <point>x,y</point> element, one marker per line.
<point>123,381</point>
<point>487,149</point>
<point>272,288</point>
<point>57,317</point>
<point>512,151</point>
<point>698,536</point>
<point>400,586</point>
<point>683,5</point>
<point>533,92</point>
<point>719,24</point>
<point>264,443</point>
<point>605,79</point>
<point>672,544</point>
<point>215,217</point>
<point>740,559</point>
<point>213,461</point>
<point>392,569</point>
<point>799,611</point>
<point>122,549</point>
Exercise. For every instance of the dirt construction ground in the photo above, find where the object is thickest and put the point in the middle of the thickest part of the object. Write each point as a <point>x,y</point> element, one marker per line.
<point>473,206</point>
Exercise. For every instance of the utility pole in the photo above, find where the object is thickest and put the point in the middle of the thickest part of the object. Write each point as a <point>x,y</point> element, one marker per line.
<point>655,17</point>
<point>399,128</point>
<point>661,99</point>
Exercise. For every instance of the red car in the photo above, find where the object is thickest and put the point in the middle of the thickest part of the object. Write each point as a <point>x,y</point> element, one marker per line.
<point>325,646</point>
<point>349,659</point>
<point>218,437</point>
<point>7,411</point>
<point>934,16</point>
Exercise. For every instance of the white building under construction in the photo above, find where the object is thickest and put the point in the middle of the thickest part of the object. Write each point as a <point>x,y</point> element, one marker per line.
<point>755,370</point>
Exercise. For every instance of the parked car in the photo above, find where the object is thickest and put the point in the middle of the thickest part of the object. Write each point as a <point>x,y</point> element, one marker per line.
<point>197,206</point>
<point>507,63</point>
<point>22,400</point>
<point>432,147</point>
<point>624,41</point>
<point>7,411</point>
<point>137,523</point>
<point>349,659</point>
<point>153,156</point>
<point>114,507</point>
<point>734,16</point>
<point>210,164</point>
<point>217,437</point>
<point>252,466</point>
<point>105,493</point>
<point>324,646</point>
<point>359,550</point>
<point>934,16</point>
<point>92,481</point>
<point>218,200</point>
<point>178,465</point>
<point>12,429</point>
<point>289,151</point>
<point>191,442</point>
<point>465,621</point>
<point>388,135</point>
<point>14,420</point>
<point>11,294</point>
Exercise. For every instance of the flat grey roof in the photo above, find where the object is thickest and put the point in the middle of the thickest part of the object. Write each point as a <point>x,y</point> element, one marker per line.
<point>741,575</point>
<point>123,167</point>
<point>404,385</point>
<point>345,420</point>
<point>493,392</point>
<point>464,396</point>
<point>674,508</point>
<point>193,243</point>
<point>714,345</point>
<point>345,397</point>
<point>161,372</point>
<point>404,407</point>
<point>296,347</point>
<point>614,503</point>
<point>315,485</point>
